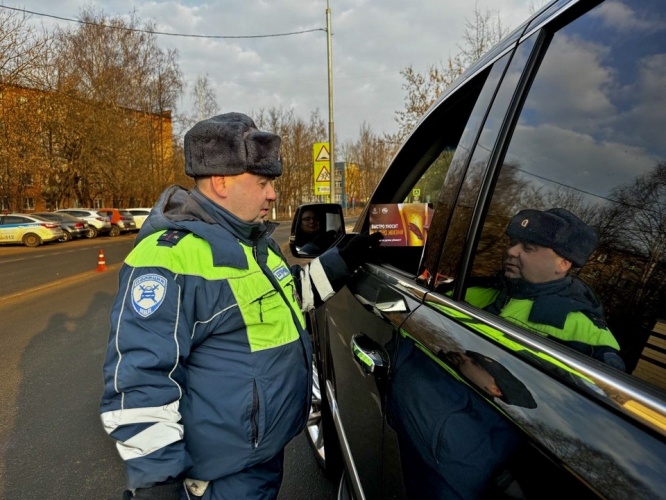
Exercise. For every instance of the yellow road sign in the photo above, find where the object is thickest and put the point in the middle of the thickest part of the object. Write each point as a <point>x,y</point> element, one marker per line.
<point>322,168</point>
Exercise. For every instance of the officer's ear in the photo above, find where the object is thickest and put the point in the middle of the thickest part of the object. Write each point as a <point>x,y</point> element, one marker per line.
<point>218,184</point>
<point>564,266</point>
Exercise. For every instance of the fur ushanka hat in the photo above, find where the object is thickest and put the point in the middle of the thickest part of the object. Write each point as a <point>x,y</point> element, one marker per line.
<point>557,228</point>
<point>230,144</point>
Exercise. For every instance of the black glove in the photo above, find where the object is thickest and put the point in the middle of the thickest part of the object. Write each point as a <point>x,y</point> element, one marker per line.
<point>163,491</point>
<point>360,249</point>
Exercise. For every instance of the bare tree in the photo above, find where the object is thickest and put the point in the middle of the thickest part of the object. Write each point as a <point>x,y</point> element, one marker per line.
<point>116,130</point>
<point>21,52</point>
<point>204,98</point>
<point>296,185</point>
<point>482,32</point>
<point>370,154</point>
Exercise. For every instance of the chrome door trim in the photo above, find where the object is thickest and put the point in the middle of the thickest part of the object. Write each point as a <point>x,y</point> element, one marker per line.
<point>344,443</point>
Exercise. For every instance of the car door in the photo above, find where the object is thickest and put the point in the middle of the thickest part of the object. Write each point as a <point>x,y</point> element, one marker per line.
<point>578,427</point>
<point>360,327</point>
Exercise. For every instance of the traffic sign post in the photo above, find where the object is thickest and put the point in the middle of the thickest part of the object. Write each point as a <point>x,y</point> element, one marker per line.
<point>322,168</point>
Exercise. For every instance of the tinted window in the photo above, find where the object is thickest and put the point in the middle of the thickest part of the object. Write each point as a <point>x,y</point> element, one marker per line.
<point>438,150</point>
<point>469,191</point>
<point>590,139</point>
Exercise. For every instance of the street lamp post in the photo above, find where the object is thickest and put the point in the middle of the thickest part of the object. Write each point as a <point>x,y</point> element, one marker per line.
<point>331,129</point>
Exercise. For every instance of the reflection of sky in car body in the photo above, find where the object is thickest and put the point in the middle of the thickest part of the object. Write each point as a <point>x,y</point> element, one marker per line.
<point>609,105</point>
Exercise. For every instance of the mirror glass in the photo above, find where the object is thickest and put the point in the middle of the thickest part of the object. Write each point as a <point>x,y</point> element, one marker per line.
<point>316,228</point>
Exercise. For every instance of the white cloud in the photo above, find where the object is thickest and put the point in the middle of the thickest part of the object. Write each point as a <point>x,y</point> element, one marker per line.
<point>372,42</point>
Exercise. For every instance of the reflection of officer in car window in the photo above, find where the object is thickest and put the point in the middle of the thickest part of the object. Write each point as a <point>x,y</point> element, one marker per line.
<point>536,291</point>
<point>313,237</point>
<point>453,443</point>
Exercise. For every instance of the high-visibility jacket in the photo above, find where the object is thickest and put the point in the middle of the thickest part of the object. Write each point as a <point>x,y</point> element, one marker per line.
<point>579,331</point>
<point>208,368</point>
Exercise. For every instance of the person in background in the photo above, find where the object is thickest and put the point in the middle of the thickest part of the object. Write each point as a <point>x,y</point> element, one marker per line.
<point>536,291</point>
<point>208,368</point>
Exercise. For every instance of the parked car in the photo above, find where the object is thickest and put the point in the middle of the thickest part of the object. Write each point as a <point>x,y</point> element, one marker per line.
<point>140,215</point>
<point>121,220</point>
<point>98,223</point>
<point>72,227</point>
<point>566,112</point>
<point>30,230</point>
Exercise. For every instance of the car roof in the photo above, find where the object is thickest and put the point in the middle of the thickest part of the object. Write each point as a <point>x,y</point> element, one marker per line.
<point>59,215</point>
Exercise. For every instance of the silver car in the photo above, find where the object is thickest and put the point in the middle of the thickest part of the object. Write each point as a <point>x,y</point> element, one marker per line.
<point>98,223</point>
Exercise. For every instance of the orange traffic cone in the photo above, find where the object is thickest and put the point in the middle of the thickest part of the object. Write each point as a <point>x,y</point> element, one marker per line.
<point>101,263</point>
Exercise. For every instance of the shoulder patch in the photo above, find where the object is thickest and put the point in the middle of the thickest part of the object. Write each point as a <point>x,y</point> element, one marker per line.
<point>148,292</point>
<point>171,237</point>
<point>281,273</point>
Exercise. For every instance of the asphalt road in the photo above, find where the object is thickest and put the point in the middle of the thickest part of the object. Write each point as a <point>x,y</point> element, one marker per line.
<point>54,309</point>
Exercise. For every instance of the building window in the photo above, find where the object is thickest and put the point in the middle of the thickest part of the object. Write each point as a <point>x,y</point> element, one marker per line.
<point>28,203</point>
<point>4,205</point>
<point>26,179</point>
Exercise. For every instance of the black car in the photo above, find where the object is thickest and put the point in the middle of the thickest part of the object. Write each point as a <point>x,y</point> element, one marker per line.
<point>568,112</point>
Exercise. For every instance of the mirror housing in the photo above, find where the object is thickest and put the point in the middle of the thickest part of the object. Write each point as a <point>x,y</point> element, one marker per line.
<point>315,228</point>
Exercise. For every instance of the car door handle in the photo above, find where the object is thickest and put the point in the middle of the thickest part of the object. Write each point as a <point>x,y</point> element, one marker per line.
<point>370,356</point>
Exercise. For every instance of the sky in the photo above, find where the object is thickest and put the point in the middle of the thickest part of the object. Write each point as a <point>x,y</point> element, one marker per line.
<point>372,41</point>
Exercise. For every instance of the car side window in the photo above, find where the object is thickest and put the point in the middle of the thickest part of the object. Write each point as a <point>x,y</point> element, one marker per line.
<point>13,219</point>
<point>451,253</point>
<point>589,142</point>
<point>436,156</point>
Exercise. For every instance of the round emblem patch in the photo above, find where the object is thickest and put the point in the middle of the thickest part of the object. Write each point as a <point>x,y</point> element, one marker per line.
<point>148,293</point>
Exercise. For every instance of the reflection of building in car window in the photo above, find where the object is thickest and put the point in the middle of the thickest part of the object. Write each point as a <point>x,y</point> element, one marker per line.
<point>536,291</point>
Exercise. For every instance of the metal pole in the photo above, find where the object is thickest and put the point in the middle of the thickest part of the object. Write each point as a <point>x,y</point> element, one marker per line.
<point>331,129</point>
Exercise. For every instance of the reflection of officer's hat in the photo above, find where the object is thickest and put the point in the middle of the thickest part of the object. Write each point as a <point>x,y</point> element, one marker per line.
<point>557,228</point>
<point>513,390</point>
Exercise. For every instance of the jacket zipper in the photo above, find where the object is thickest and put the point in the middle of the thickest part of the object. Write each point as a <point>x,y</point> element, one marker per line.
<point>253,416</point>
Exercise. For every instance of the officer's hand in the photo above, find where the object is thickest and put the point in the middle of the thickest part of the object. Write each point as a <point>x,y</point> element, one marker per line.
<point>164,491</point>
<point>360,249</point>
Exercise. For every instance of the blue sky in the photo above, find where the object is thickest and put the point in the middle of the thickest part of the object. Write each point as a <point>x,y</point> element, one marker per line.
<point>372,41</point>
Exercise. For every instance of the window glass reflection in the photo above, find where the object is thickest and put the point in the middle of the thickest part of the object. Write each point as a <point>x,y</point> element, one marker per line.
<point>590,141</point>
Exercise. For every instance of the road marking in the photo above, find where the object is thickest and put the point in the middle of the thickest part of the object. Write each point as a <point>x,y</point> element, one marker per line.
<point>64,281</point>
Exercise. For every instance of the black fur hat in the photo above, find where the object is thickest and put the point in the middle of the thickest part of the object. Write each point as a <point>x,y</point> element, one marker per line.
<point>557,228</point>
<point>230,144</point>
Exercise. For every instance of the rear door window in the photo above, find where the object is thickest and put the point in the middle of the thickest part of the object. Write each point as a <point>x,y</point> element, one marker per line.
<point>590,140</point>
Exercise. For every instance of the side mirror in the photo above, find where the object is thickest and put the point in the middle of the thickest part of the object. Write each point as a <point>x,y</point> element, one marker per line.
<point>316,227</point>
